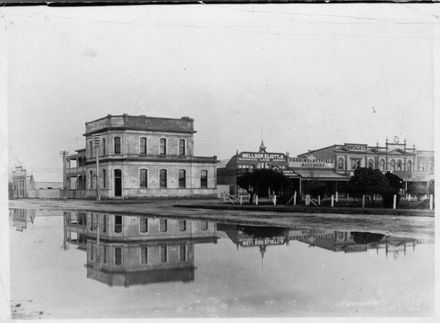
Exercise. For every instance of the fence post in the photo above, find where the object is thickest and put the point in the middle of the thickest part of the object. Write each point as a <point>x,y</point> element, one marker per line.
<point>319,199</point>
<point>337,196</point>
<point>294,198</point>
<point>431,202</point>
<point>333,202</point>
<point>348,196</point>
<point>241,199</point>
<point>363,201</point>
<point>274,200</point>
<point>256,199</point>
<point>307,200</point>
<point>394,201</point>
<point>409,197</point>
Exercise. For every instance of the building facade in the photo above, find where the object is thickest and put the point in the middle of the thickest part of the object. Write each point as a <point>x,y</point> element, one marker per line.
<point>139,156</point>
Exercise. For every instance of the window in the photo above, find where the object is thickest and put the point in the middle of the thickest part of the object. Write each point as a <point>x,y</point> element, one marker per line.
<point>163,225</point>
<point>421,167</point>
<point>104,223</point>
<point>399,165</point>
<point>163,146</point>
<point>143,224</point>
<point>182,252</point>
<point>204,178</point>
<point>144,255</point>
<point>143,178</point>
<point>382,165</point>
<point>163,178</point>
<point>104,178</point>
<point>91,179</point>
<point>355,163</point>
<point>118,256</point>
<point>370,163</point>
<point>204,225</point>
<point>182,147</point>
<point>393,164</point>
<point>340,163</point>
<point>92,251</point>
<point>182,178</point>
<point>92,222</point>
<point>143,146</point>
<point>103,146</point>
<point>409,168</point>
<point>163,254</point>
<point>118,223</point>
<point>105,255</point>
<point>91,148</point>
<point>182,225</point>
<point>117,145</point>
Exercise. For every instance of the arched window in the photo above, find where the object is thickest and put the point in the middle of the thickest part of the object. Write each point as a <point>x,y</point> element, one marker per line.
<point>340,163</point>
<point>393,165</point>
<point>163,178</point>
<point>421,167</point>
<point>382,165</point>
<point>182,147</point>
<point>370,163</point>
<point>399,165</point>
<point>182,178</point>
<point>143,146</point>
<point>143,178</point>
<point>103,146</point>
<point>203,178</point>
<point>163,146</point>
<point>117,145</point>
<point>409,166</point>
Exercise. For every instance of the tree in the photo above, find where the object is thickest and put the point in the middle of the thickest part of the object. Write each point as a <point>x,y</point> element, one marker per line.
<point>260,180</point>
<point>367,181</point>
<point>395,184</point>
<point>417,189</point>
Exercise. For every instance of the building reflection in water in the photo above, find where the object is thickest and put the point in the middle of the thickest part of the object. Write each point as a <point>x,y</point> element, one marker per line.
<point>124,250</point>
<point>329,239</point>
<point>21,218</point>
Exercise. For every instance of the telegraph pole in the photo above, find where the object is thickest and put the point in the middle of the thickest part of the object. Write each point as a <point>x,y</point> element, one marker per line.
<point>98,193</point>
<point>63,154</point>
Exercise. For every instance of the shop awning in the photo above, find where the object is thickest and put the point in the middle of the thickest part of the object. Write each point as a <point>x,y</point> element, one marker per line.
<point>321,174</point>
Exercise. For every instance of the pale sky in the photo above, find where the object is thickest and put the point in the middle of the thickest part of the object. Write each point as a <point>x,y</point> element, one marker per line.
<point>308,76</point>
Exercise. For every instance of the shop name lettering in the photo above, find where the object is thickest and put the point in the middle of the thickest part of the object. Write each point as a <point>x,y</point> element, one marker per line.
<point>263,241</point>
<point>311,163</point>
<point>262,156</point>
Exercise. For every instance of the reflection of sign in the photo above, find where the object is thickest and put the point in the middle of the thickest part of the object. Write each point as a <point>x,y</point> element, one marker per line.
<point>356,248</point>
<point>262,157</point>
<point>360,147</point>
<point>310,163</point>
<point>251,242</point>
<point>289,173</point>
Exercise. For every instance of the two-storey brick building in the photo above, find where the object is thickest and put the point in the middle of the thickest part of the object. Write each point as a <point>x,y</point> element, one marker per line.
<point>139,156</point>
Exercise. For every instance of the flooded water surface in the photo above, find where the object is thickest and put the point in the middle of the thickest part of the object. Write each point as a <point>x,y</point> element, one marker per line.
<point>95,265</point>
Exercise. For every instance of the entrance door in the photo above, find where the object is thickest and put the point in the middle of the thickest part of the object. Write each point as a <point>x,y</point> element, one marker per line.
<point>118,182</point>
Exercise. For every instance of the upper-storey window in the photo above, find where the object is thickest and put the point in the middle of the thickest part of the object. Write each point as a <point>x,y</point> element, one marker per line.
<point>163,178</point>
<point>143,146</point>
<point>182,178</point>
<point>163,146</point>
<point>204,178</point>
<point>91,148</point>
<point>370,163</point>
<point>399,165</point>
<point>382,164</point>
<point>143,178</point>
<point>393,165</point>
<point>341,163</point>
<point>103,146</point>
<point>182,147</point>
<point>409,166</point>
<point>117,145</point>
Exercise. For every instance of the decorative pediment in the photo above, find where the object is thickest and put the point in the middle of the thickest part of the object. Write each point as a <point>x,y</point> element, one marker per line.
<point>397,151</point>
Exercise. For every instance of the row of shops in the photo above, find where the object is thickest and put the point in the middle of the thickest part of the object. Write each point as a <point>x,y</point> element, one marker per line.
<point>331,167</point>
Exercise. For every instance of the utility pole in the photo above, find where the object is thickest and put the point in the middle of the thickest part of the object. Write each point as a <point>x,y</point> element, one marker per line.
<point>63,154</point>
<point>96,141</point>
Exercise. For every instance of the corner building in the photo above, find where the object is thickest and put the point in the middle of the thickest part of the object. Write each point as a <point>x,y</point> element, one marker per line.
<point>139,156</point>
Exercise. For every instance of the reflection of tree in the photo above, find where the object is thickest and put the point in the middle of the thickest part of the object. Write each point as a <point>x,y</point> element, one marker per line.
<point>366,237</point>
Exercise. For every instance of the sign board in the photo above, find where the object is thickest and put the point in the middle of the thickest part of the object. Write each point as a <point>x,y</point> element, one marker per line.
<point>252,242</point>
<point>311,163</point>
<point>355,147</point>
<point>261,157</point>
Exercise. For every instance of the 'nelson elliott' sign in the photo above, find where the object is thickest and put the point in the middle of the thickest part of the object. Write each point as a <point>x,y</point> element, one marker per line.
<point>262,157</point>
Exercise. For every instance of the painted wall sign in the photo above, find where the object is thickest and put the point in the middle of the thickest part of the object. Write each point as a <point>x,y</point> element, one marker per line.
<point>357,147</point>
<point>251,242</point>
<point>249,156</point>
<point>311,163</point>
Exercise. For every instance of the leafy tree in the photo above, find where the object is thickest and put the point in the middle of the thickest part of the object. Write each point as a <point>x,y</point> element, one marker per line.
<point>260,180</point>
<point>315,188</point>
<point>367,181</point>
<point>395,184</point>
<point>417,189</point>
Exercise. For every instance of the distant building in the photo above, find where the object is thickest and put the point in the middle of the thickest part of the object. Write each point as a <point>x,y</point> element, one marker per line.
<point>25,186</point>
<point>140,156</point>
<point>337,163</point>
